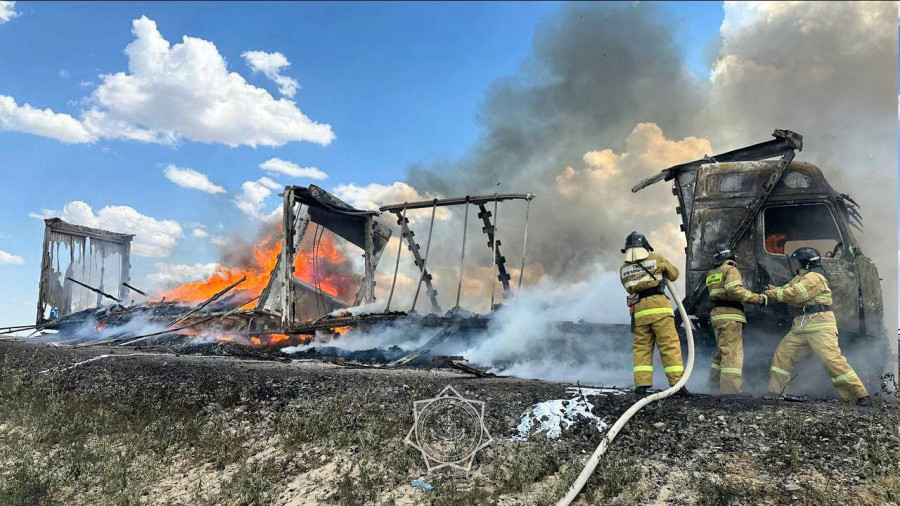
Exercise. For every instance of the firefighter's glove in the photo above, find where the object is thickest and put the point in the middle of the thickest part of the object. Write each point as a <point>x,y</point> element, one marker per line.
<point>765,299</point>
<point>632,299</point>
<point>771,287</point>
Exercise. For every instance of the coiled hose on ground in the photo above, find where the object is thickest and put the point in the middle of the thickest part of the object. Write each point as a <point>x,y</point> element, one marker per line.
<point>637,406</point>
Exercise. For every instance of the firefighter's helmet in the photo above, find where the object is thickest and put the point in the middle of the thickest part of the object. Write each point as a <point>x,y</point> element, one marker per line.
<point>723,253</point>
<point>636,247</point>
<point>809,259</point>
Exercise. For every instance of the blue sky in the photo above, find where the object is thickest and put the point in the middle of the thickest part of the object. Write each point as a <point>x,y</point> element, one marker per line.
<point>397,83</point>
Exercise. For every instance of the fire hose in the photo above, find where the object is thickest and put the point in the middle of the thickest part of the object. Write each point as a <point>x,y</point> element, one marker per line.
<point>637,406</point>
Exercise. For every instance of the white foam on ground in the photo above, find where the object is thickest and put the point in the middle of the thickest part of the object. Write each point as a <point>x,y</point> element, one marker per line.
<point>554,416</point>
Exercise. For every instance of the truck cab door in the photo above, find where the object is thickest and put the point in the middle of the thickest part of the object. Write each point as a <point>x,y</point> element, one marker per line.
<point>785,227</point>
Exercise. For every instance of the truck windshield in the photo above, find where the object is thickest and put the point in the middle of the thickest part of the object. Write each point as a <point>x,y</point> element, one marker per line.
<point>812,225</point>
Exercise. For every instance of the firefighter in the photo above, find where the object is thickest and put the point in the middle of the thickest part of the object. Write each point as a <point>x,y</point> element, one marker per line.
<point>652,317</point>
<point>815,330</point>
<point>728,295</point>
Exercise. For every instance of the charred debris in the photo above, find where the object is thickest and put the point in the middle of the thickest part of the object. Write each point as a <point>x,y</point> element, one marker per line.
<point>81,266</point>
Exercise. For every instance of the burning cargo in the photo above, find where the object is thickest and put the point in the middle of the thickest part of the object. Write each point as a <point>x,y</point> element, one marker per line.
<point>250,306</point>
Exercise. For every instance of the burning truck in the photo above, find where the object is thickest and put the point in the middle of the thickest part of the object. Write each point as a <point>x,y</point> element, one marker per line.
<point>764,206</point>
<point>299,289</point>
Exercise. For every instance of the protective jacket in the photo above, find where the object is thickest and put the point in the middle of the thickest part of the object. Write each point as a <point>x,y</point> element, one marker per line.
<point>653,318</point>
<point>643,279</point>
<point>808,290</point>
<point>725,285</point>
<point>813,331</point>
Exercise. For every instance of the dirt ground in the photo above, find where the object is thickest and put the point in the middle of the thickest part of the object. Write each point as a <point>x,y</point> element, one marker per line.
<point>167,429</point>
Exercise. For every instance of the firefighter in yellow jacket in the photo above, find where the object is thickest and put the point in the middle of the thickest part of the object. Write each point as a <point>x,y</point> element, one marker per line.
<point>727,293</point>
<point>652,317</point>
<point>815,330</point>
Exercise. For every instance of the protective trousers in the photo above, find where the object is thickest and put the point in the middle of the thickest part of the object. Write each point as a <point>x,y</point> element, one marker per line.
<point>725,372</point>
<point>796,346</point>
<point>663,335</point>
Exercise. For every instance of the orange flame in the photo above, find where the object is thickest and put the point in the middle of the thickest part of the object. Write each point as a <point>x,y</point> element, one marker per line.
<point>775,243</point>
<point>260,341</point>
<point>278,341</point>
<point>332,271</point>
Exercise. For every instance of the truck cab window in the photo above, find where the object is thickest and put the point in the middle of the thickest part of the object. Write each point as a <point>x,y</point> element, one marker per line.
<point>790,227</point>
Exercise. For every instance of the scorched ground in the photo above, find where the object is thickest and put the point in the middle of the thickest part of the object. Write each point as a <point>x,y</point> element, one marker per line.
<point>136,429</point>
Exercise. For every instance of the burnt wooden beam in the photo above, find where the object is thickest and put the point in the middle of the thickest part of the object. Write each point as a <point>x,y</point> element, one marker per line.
<point>490,229</point>
<point>95,290</point>
<point>418,260</point>
<point>134,289</point>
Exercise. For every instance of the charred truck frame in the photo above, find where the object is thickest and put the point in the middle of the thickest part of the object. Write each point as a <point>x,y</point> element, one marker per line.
<point>764,210</point>
<point>303,205</point>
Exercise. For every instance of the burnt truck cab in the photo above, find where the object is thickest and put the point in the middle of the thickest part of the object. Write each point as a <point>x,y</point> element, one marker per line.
<point>765,210</point>
<point>803,210</point>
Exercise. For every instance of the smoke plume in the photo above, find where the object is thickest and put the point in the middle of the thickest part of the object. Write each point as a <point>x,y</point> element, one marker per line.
<point>606,99</point>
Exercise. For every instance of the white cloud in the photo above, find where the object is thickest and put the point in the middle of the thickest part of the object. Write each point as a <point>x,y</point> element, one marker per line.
<point>8,11</point>
<point>185,90</point>
<point>218,240</point>
<point>63,74</point>
<point>190,178</point>
<point>268,183</point>
<point>275,215</point>
<point>172,274</point>
<point>277,165</point>
<point>152,237</point>
<point>169,93</point>
<point>253,194</point>
<point>271,65</point>
<point>9,258</point>
<point>46,123</point>
<point>199,232</point>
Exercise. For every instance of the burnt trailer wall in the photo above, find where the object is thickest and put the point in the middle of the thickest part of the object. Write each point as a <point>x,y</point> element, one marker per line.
<point>74,256</point>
